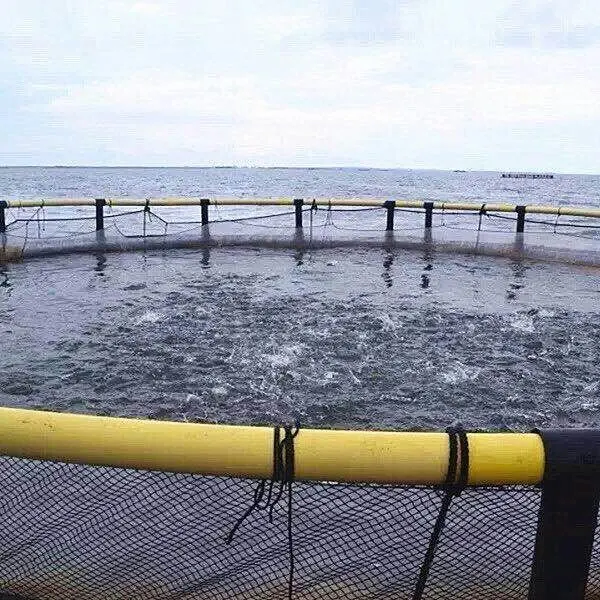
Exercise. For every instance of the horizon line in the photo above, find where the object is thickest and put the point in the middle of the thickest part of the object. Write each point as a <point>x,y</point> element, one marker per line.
<point>273,167</point>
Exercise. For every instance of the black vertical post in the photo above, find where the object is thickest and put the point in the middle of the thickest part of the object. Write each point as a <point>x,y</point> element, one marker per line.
<point>3,207</point>
<point>390,206</point>
<point>428,206</point>
<point>567,516</point>
<point>100,202</point>
<point>204,202</point>
<point>520,210</point>
<point>298,204</point>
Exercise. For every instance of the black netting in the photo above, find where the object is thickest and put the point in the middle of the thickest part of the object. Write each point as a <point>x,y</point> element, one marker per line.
<point>55,230</point>
<point>79,532</point>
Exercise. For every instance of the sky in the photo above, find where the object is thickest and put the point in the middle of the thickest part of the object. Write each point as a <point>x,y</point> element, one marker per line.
<point>494,85</point>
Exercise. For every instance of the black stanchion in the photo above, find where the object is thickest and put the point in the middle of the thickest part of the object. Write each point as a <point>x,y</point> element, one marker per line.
<point>100,203</point>
<point>568,515</point>
<point>204,202</point>
<point>298,204</point>
<point>3,207</point>
<point>390,206</point>
<point>428,206</point>
<point>520,210</point>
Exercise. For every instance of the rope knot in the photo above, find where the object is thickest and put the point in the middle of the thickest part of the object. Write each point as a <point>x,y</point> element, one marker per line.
<point>457,477</point>
<point>284,474</point>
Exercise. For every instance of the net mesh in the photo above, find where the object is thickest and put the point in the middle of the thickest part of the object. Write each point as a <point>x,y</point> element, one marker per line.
<point>74,531</point>
<point>50,230</point>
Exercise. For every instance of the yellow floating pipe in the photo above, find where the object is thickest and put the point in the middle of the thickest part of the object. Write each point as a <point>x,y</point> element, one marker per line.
<point>343,202</point>
<point>541,209</point>
<point>419,204</point>
<point>529,208</point>
<point>242,451</point>
<point>153,201</point>
<point>351,202</point>
<point>198,201</point>
<point>50,202</point>
<point>469,206</point>
<point>569,211</point>
<point>410,204</point>
<point>252,201</point>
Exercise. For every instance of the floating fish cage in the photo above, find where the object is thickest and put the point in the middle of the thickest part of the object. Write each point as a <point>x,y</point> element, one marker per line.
<point>31,228</point>
<point>104,507</point>
<point>528,175</point>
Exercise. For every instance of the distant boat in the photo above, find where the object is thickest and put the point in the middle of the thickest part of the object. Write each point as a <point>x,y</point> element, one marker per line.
<point>528,175</point>
<point>459,171</point>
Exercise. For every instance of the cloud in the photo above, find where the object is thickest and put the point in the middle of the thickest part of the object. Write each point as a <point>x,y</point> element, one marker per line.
<point>555,24</point>
<point>318,83</point>
<point>148,8</point>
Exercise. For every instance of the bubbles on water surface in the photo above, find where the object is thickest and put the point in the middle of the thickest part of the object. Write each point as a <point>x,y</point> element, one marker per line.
<point>259,338</point>
<point>149,317</point>
<point>522,322</point>
<point>459,373</point>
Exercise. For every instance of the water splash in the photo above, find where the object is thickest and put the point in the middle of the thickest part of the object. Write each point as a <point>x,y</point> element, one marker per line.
<point>150,317</point>
<point>459,373</point>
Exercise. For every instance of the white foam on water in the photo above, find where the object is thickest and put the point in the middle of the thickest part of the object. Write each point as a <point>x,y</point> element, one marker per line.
<point>592,388</point>
<point>192,398</point>
<point>522,322</point>
<point>388,323</point>
<point>591,405</point>
<point>460,373</point>
<point>286,356</point>
<point>220,391</point>
<point>150,318</point>
<point>354,378</point>
<point>544,312</point>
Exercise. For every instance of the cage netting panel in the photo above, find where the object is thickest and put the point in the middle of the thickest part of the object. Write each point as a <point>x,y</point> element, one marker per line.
<point>57,230</point>
<point>76,531</point>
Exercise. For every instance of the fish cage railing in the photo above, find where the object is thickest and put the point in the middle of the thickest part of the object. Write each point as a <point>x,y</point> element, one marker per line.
<point>97,507</point>
<point>301,204</point>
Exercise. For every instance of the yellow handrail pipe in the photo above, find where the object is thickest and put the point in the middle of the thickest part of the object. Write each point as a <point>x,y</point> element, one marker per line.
<point>573,211</point>
<point>246,451</point>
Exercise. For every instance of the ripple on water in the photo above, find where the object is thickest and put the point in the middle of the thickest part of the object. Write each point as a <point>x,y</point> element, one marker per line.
<point>248,346</point>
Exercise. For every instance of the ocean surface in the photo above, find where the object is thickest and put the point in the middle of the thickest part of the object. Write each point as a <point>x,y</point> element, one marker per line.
<point>353,337</point>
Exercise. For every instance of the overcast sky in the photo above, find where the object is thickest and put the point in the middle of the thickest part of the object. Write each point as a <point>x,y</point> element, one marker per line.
<point>466,84</point>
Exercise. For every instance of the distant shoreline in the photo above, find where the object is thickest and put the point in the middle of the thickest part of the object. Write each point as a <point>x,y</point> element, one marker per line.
<point>275,168</point>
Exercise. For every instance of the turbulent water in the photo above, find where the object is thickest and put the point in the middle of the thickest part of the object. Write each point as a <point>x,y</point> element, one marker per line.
<point>353,338</point>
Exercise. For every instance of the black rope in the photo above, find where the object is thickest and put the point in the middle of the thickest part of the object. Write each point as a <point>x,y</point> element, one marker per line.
<point>41,226</point>
<point>121,214</point>
<point>284,473</point>
<point>556,220</point>
<point>541,222</point>
<point>458,463</point>
<point>156,216</point>
<point>51,219</point>
<point>235,220</point>
<point>481,213</point>
<point>355,210</point>
<point>329,217</point>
